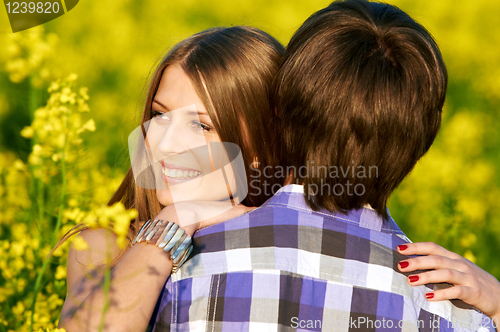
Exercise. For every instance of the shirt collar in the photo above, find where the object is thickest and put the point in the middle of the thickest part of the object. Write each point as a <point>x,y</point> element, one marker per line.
<point>292,196</point>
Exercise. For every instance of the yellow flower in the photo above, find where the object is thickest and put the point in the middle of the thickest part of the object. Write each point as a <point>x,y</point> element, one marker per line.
<point>90,221</point>
<point>83,107</point>
<point>54,301</point>
<point>57,127</point>
<point>470,256</point>
<point>80,244</point>
<point>19,165</point>
<point>468,240</point>
<point>84,92</point>
<point>21,284</point>
<point>121,242</point>
<point>27,132</point>
<point>61,250</point>
<point>17,249</point>
<point>27,54</point>
<point>60,272</point>
<point>72,77</point>
<point>54,86</point>
<point>18,309</point>
<point>73,214</point>
<point>18,264</point>
<point>37,149</point>
<point>89,125</point>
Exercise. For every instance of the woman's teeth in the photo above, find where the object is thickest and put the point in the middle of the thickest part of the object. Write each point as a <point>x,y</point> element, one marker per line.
<point>180,174</point>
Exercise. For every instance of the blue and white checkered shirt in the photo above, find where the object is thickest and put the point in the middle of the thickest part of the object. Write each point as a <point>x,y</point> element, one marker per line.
<point>283,267</point>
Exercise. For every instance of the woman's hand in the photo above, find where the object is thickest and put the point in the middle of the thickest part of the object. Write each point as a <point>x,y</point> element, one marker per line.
<point>471,284</point>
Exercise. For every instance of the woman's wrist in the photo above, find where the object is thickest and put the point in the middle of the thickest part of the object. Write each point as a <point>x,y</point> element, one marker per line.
<point>167,236</point>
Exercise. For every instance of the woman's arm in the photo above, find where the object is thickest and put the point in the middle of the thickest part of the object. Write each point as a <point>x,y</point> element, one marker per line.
<point>136,282</point>
<point>137,276</point>
<point>471,284</point>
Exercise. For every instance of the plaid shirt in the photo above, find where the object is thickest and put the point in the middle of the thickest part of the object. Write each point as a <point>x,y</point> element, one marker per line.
<point>283,267</point>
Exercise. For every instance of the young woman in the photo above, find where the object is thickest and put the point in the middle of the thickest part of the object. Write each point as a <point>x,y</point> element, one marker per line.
<point>208,95</point>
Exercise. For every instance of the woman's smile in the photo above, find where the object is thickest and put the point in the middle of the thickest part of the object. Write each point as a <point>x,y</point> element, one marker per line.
<point>176,173</point>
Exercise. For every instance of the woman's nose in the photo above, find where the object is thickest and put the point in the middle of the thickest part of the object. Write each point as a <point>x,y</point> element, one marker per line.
<point>174,140</point>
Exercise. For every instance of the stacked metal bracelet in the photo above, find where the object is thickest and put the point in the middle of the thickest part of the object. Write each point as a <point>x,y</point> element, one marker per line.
<point>171,239</point>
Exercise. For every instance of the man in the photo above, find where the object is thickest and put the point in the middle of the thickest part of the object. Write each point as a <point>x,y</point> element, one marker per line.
<point>360,96</point>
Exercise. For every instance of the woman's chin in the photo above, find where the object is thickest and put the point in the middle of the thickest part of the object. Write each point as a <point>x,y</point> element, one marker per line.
<point>164,196</point>
<point>195,190</point>
<point>168,197</point>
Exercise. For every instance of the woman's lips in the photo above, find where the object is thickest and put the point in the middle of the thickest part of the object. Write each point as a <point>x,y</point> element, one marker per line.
<point>175,173</point>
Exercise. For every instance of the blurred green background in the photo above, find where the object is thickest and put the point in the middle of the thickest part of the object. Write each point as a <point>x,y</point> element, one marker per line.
<point>450,198</point>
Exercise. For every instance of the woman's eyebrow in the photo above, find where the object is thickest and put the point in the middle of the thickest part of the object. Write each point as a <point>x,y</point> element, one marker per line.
<point>198,113</point>
<point>165,107</point>
<point>189,112</point>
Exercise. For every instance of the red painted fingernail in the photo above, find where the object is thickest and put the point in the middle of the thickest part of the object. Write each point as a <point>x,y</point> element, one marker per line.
<point>429,296</point>
<point>403,264</point>
<point>402,247</point>
<point>414,278</point>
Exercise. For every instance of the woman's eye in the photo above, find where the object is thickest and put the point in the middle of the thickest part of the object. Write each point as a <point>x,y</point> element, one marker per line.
<point>200,126</point>
<point>159,116</point>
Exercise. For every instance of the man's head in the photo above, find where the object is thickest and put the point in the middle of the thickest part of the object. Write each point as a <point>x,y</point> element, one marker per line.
<point>360,96</point>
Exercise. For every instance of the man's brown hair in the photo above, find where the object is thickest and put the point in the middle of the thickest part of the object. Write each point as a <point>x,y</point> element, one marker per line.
<point>360,96</point>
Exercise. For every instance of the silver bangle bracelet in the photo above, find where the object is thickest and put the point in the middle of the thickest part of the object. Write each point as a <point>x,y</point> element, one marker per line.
<point>172,239</point>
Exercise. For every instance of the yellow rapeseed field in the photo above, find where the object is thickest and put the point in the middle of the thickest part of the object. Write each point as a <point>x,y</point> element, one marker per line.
<point>70,94</point>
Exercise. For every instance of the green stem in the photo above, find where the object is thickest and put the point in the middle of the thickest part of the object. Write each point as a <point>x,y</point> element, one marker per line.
<point>107,284</point>
<point>33,104</point>
<point>34,96</point>
<point>56,230</point>
<point>40,203</point>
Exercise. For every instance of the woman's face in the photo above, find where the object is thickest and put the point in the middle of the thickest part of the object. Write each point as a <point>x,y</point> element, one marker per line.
<point>182,139</point>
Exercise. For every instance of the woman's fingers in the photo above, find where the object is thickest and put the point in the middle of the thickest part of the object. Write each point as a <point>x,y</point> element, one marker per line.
<point>432,262</point>
<point>456,292</point>
<point>465,287</point>
<point>426,248</point>
<point>436,276</point>
<point>436,257</point>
